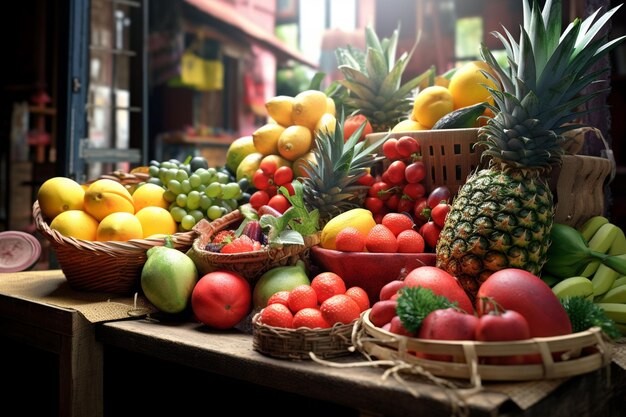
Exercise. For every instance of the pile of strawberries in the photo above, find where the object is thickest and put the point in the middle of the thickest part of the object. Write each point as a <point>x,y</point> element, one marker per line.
<point>322,304</point>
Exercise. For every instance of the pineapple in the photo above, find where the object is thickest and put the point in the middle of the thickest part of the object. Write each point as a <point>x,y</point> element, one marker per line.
<point>373,80</point>
<point>331,182</point>
<point>503,214</point>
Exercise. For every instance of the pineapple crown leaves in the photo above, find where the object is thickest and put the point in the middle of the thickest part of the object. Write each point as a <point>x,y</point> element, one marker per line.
<point>541,86</point>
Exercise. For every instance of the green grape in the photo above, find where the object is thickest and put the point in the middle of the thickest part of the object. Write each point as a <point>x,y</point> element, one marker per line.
<point>178,213</point>
<point>197,215</point>
<point>193,200</point>
<point>222,177</point>
<point>230,190</point>
<point>229,204</point>
<point>153,170</point>
<point>166,165</point>
<point>195,181</point>
<point>205,202</point>
<point>174,186</point>
<point>206,177</point>
<point>181,175</point>
<point>170,174</point>
<point>188,222</point>
<point>215,212</point>
<point>213,190</point>
<point>175,162</point>
<point>154,180</point>
<point>169,196</point>
<point>212,171</point>
<point>154,162</point>
<point>181,200</point>
<point>200,188</point>
<point>185,186</point>
<point>162,172</point>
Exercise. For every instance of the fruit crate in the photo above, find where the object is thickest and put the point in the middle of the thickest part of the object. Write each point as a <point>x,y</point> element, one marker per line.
<point>554,357</point>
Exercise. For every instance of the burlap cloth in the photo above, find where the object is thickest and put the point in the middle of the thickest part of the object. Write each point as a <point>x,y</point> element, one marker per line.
<point>51,287</point>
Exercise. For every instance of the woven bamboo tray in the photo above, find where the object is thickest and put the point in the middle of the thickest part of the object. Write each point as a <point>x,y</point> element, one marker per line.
<point>299,343</point>
<point>580,353</point>
<point>113,267</point>
<point>251,265</point>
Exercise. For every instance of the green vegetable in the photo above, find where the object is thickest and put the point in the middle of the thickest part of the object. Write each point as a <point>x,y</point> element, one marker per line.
<point>584,314</point>
<point>465,117</point>
<point>568,254</point>
<point>415,303</point>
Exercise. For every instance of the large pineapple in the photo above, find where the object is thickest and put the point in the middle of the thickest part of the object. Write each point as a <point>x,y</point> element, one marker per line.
<point>373,80</point>
<point>503,215</point>
<point>332,181</point>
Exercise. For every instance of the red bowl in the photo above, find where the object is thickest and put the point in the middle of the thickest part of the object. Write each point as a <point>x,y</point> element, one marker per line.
<point>370,271</point>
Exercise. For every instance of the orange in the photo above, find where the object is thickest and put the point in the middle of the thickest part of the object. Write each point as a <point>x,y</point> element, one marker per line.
<point>350,239</point>
<point>397,222</point>
<point>294,142</point>
<point>340,308</point>
<point>327,284</point>
<point>276,315</point>
<point>467,85</point>
<point>359,295</point>
<point>302,296</point>
<point>280,297</point>
<point>311,318</point>
<point>381,240</point>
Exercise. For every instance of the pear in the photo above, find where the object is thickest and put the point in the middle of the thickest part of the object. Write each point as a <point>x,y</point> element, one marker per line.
<point>280,278</point>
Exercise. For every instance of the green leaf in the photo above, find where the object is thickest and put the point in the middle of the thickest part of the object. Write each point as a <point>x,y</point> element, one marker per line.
<point>415,303</point>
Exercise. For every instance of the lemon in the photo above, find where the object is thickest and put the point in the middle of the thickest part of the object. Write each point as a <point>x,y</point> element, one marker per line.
<point>105,196</point>
<point>408,125</point>
<point>156,221</point>
<point>431,104</point>
<point>59,194</point>
<point>294,142</point>
<point>330,106</point>
<point>76,224</point>
<point>279,108</point>
<point>467,85</point>
<point>359,218</point>
<point>266,137</point>
<point>248,165</point>
<point>120,226</point>
<point>326,124</point>
<point>308,107</point>
<point>147,195</point>
<point>239,149</point>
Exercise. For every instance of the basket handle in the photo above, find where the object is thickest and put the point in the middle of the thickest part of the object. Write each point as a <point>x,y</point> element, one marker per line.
<point>606,153</point>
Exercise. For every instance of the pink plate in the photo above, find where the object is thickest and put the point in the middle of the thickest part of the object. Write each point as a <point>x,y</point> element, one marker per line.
<point>18,251</point>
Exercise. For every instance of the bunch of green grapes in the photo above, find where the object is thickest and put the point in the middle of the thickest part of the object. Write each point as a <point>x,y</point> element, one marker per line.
<point>202,193</point>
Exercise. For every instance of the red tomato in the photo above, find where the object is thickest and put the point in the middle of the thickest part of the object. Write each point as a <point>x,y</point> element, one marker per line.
<point>352,123</point>
<point>390,289</point>
<point>447,324</point>
<point>395,171</point>
<point>380,189</point>
<point>441,283</point>
<point>221,299</point>
<point>268,166</point>
<point>415,172</point>
<point>289,187</point>
<point>396,327</point>
<point>440,212</point>
<point>430,231</point>
<point>260,180</point>
<point>519,290</point>
<point>283,175</point>
<point>414,191</point>
<point>382,312</point>
<point>258,199</point>
<point>504,326</point>
<point>405,205</point>
<point>373,204</point>
<point>366,179</point>
<point>407,146</point>
<point>421,211</point>
<point>392,202</point>
<point>279,202</point>
<point>390,149</point>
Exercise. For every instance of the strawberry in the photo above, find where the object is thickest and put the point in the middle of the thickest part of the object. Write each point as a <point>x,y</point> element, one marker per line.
<point>381,240</point>
<point>223,237</point>
<point>241,244</point>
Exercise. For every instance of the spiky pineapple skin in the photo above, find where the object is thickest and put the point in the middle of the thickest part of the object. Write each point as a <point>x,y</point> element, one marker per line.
<point>501,218</point>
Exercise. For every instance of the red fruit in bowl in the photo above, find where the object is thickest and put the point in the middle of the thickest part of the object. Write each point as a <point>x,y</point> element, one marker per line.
<point>407,146</point>
<point>390,288</point>
<point>382,312</point>
<point>447,324</point>
<point>430,231</point>
<point>396,327</point>
<point>441,283</point>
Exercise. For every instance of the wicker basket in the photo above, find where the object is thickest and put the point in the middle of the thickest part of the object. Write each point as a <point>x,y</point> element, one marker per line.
<point>251,265</point>
<point>298,343</point>
<point>579,353</point>
<point>448,155</point>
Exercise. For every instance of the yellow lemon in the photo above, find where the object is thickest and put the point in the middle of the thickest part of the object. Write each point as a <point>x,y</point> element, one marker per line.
<point>248,165</point>
<point>326,124</point>
<point>330,106</point>
<point>239,149</point>
<point>59,194</point>
<point>294,142</point>
<point>308,107</point>
<point>105,196</point>
<point>279,108</point>
<point>359,218</point>
<point>407,126</point>
<point>467,85</point>
<point>149,194</point>
<point>155,221</point>
<point>120,226</point>
<point>266,137</point>
<point>76,224</point>
<point>431,104</point>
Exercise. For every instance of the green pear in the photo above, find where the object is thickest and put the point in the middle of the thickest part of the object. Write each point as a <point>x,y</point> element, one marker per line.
<point>280,278</point>
<point>168,278</point>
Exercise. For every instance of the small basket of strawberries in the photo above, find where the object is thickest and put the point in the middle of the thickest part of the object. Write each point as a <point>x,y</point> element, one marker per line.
<point>250,241</point>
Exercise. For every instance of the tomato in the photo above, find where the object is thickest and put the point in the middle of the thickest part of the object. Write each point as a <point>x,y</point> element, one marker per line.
<point>439,194</point>
<point>260,180</point>
<point>407,146</point>
<point>367,179</point>
<point>441,283</point>
<point>289,187</point>
<point>279,202</point>
<point>440,212</point>
<point>380,189</point>
<point>421,212</point>
<point>395,171</point>
<point>390,288</point>
<point>258,199</point>
<point>504,326</point>
<point>373,204</point>
<point>415,172</point>
<point>392,202</point>
<point>283,175</point>
<point>396,327</point>
<point>430,231</point>
<point>221,299</point>
<point>519,290</point>
<point>268,166</point>
<point>414,191</point>
<point>390,149</point>
<point>405,205</point>
<point>447,324</point>
<point>352,123</point>
<point>382,312</point>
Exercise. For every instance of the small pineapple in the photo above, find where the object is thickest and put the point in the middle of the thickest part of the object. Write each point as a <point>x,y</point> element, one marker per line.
<point>331,184</point>
<point>373,79</point>
<point>503,215</point>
